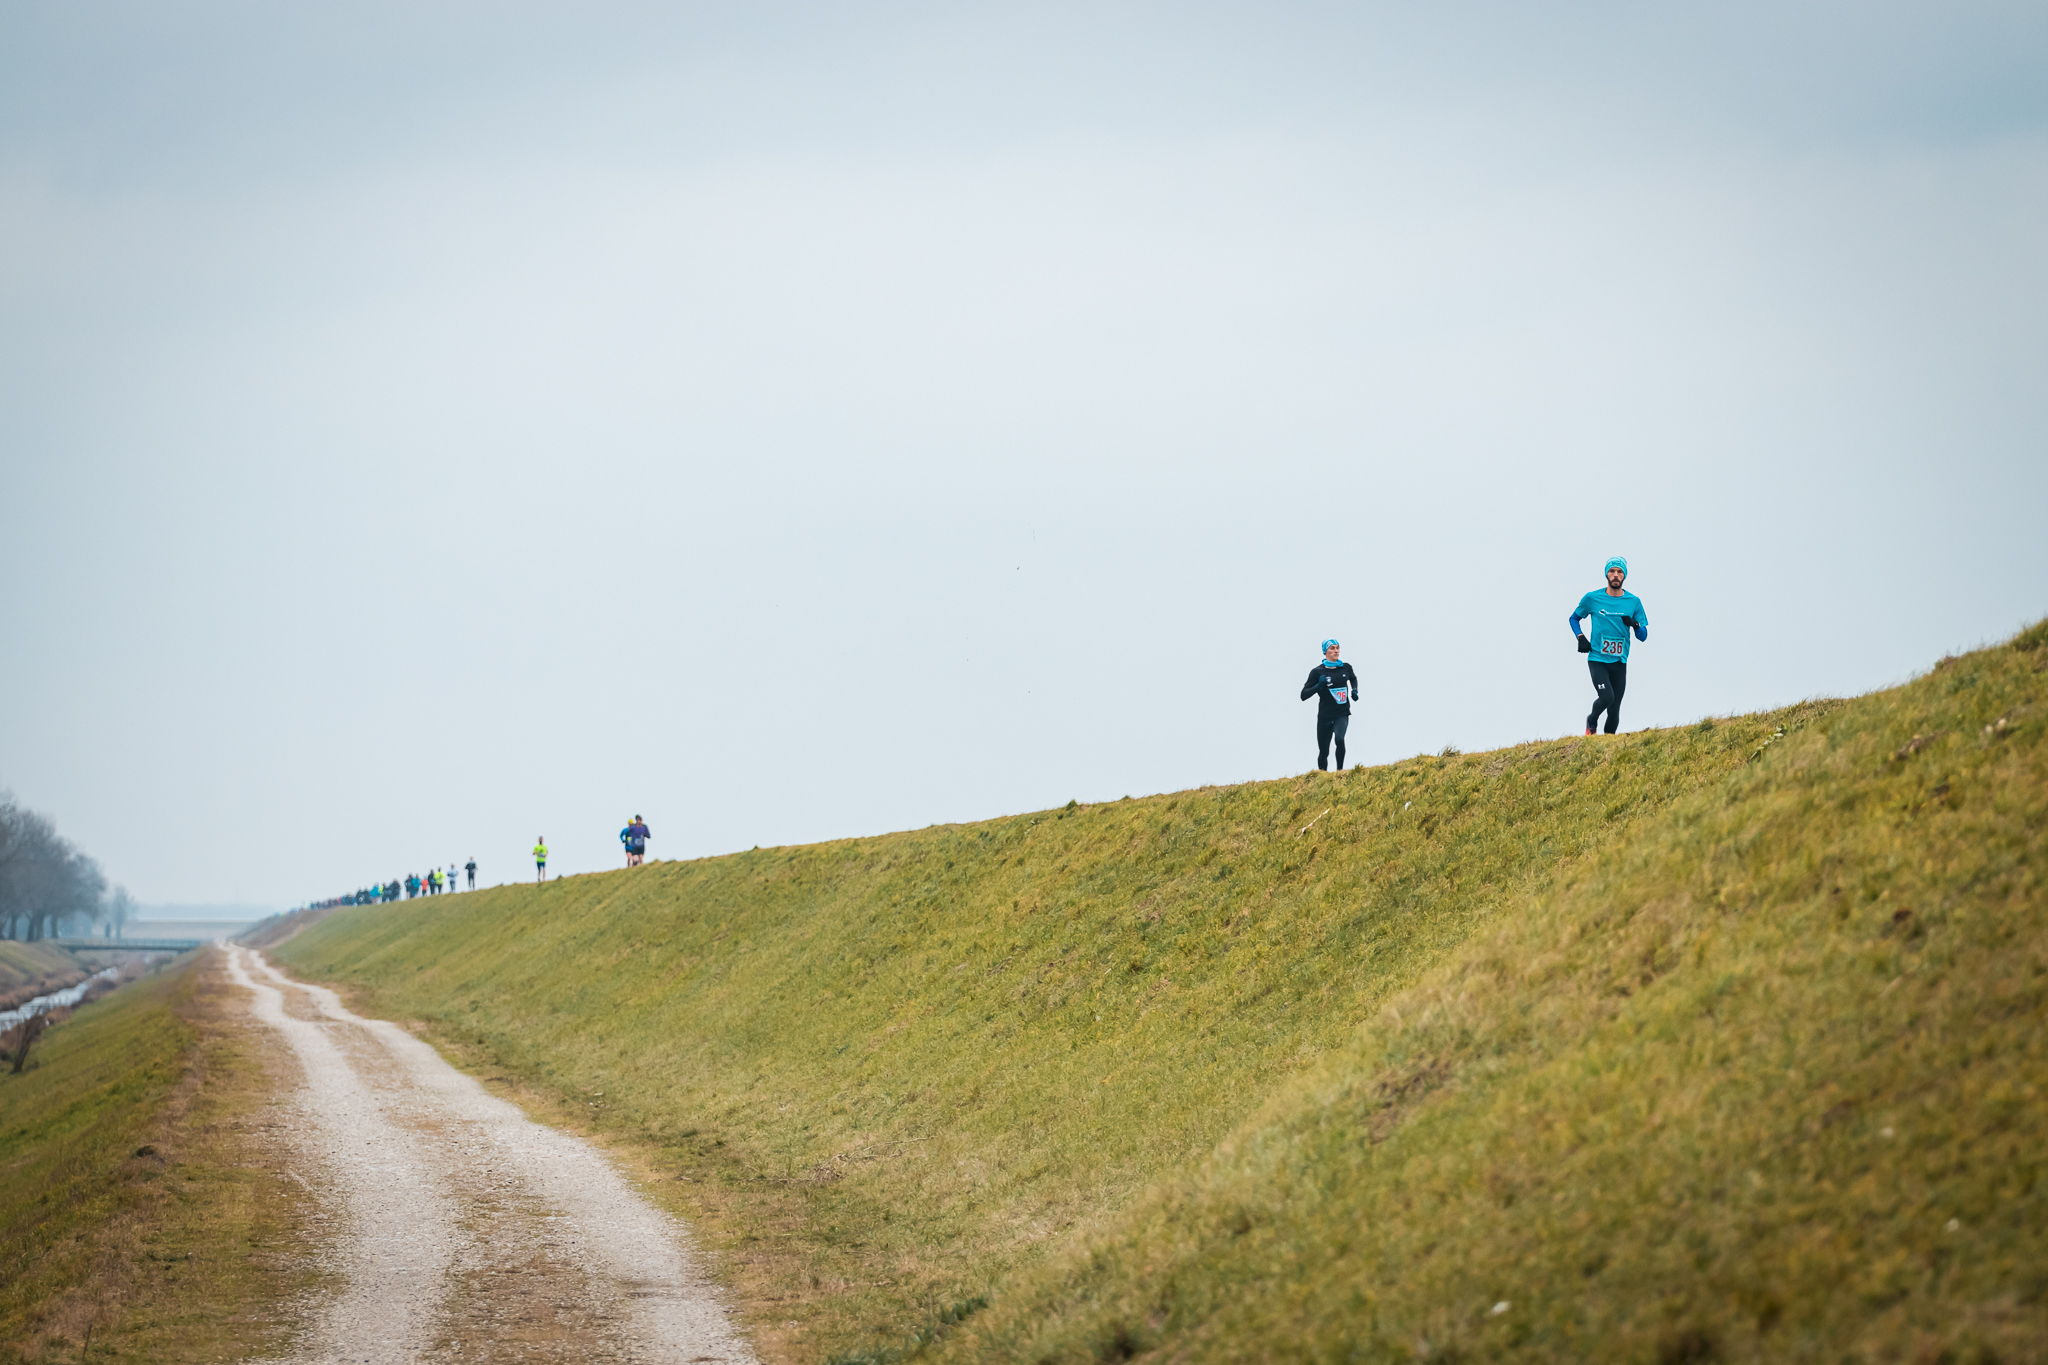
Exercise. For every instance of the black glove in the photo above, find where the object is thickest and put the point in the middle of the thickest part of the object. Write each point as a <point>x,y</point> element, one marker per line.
<point>1585,645</point>
<point>1629,621</point>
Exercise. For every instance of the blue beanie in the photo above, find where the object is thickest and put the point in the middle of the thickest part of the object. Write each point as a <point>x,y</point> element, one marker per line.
<point>1615,563</point>
<point>1327,644</point>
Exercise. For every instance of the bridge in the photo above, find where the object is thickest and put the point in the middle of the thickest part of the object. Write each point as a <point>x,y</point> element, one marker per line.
<point>126,945</point>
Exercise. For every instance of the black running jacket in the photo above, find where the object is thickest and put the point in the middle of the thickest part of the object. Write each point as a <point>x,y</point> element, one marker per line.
<point>1328,678</point>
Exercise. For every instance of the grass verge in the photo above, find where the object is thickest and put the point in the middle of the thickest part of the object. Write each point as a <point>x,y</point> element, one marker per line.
<point>140,1210</point>
<point>28,970</point>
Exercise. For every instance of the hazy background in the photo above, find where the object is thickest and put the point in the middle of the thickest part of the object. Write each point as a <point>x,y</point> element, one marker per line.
<point>423,427</point>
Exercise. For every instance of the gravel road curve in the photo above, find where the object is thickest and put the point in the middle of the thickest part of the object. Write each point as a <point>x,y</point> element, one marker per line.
<point>461,1229</point>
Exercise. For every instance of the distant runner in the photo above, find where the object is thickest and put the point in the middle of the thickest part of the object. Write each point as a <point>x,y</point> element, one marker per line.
<point>540,859</point>
<point>1334,686</point>
<point>1614,614</point>
<point>635,837</point>
<point>470,867</point>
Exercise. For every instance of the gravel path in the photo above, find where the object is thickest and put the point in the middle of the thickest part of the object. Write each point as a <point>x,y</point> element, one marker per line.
<point>465,1231</point>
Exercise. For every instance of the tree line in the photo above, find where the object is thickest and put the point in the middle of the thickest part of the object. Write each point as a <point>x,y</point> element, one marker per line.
<point>48,885</point>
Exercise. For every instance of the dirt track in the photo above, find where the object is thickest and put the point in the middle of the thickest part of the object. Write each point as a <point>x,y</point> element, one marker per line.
<point>460,1229</point>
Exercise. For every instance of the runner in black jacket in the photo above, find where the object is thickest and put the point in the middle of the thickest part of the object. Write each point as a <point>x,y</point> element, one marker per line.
<point>1334,686</point>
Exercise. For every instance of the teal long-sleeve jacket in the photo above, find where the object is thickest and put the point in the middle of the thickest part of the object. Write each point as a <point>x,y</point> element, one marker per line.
<point>1604,617</point>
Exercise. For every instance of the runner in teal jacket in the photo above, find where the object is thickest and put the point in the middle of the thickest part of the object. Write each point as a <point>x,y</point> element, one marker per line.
<point>1614,615</point>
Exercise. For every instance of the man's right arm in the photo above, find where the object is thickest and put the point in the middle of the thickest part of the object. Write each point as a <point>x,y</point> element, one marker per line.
<point>1308,689</point>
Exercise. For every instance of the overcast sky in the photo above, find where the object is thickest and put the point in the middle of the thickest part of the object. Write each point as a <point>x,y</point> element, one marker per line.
<point>425,427</point>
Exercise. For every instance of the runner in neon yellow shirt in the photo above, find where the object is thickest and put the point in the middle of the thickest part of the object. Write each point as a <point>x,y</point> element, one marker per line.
<point>540,859</point>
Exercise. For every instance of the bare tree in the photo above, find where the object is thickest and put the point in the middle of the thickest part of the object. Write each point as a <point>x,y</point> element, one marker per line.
<point>25,1034</point>
<point>119,909</point>
<point>27,845</point>
<point>13,848</point>
<point>45,882</point>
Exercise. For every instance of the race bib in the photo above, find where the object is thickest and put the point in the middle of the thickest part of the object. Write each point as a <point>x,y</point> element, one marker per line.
<point>1613,646</point>
<point>1341,695</point>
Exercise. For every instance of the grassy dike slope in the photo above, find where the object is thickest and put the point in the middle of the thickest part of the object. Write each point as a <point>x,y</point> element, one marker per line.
<point>68,1125</point>
<point>137,1211</point>
<point>1768,1081</point>
<point>1583,1026</point>
<point>31,969</point>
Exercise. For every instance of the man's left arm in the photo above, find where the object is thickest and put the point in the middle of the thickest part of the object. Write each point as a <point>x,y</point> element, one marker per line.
<point>1642,621</point>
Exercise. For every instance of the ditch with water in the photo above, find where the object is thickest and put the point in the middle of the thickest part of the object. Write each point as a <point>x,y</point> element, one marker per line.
<point>55,1000</point>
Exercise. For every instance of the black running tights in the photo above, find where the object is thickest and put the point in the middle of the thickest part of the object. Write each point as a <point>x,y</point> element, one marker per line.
<point>1328,727</point>
<point>1609,681</point>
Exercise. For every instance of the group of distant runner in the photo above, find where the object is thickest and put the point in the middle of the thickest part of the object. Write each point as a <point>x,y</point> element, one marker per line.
<point>432,884</point>
<point>634,836</point>
<point>1613,615</point>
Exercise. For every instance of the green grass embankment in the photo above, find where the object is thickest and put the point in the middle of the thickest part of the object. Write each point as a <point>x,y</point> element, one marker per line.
<point>1544,1026</point>
<point>1767,1080</point>
<point>68,1128</point>
<point>141,1219</point>
<point>31,969</point>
